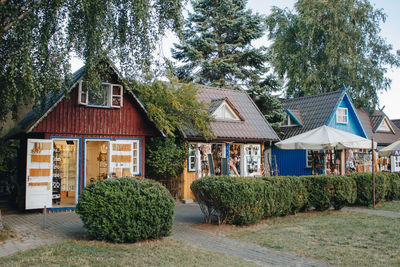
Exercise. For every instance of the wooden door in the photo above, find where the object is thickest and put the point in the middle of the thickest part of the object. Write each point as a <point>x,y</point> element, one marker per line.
<point>39,172</point>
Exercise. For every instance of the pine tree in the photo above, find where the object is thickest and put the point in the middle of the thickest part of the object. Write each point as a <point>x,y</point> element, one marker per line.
<point>215,47</point>
<point>216,50</point>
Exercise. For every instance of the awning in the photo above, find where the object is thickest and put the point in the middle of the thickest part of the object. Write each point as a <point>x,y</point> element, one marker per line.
<point>391,150</point>
<point>325,137</point>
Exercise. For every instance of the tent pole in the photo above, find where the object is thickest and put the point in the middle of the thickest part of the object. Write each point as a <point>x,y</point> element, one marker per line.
<point>373,168</point>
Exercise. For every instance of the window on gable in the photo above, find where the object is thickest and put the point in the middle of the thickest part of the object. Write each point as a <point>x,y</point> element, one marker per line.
<point>289,121</point>
<point>109,95</point>
<point>224,112</point>
<point>342,115</point>
<point>384,127</point>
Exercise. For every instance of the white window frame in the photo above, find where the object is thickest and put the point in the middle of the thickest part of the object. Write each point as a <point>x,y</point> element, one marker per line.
<point>307,155</point>
<point>84,95</point>
<point>384,126</point>
<point>192,155</point>
<point>254,157</point>
<point>136,158</point>
<point>342,118</point>
<point>227,108</point>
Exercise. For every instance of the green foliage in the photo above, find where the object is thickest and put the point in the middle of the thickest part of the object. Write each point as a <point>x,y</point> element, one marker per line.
<point>37,38</point>
<point>165,157</point>
<point>325,44</point>
<point>393,192</point>
<point>365,187</point>
<point>269,105</point>
<point>215,46</point>
<point>329,190</point>
<point>234,200</point>
<point>173,107</point>
<point>284,195</point>
<point>126,210</point>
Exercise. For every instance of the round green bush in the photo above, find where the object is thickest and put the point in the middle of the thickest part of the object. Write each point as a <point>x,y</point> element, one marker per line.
<point>126,210</point>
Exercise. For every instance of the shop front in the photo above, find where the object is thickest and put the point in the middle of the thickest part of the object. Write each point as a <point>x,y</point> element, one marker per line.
<point>54,177</point>
<point>80,139</point>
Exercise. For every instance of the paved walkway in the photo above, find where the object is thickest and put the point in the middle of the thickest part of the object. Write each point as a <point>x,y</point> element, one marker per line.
<point>384,213</point>
<point>67,225</point>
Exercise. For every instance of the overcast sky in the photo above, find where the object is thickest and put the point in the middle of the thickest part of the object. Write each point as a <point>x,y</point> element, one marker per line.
<point>390,31</point>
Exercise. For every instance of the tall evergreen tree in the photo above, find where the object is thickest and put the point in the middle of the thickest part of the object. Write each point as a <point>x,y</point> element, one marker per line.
<point>216,49</point>
<point>325,44</point>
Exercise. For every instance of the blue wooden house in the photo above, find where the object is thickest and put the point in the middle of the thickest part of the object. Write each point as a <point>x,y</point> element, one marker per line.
<point>334,109</point>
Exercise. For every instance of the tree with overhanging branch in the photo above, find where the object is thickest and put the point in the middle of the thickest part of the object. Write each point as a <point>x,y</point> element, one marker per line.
<point>323,45</point>
<point>38,37</point>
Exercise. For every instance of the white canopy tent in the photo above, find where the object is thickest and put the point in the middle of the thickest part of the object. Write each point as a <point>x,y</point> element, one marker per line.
<point>391,150</point>
<point>325,137</point>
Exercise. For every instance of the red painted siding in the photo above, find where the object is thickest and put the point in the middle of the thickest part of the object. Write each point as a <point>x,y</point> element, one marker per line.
<point>68,117</point>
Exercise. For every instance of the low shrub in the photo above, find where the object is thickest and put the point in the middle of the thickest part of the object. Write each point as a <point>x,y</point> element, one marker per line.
<point>365,187</point>
<point>126,210</point>
<point>327,191</point>
<point>233,200</point>
<point>284,195</point>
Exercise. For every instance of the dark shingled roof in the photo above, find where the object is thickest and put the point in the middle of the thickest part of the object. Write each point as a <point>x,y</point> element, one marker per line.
<point>371,121</point>
<point>314,110</point>
<point>253,127</point>
<point>396,122</point>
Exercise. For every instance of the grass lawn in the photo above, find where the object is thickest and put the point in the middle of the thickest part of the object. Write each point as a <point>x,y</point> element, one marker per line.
<point>164,252</point>
<point>339,238</point>
<point>390,206</point>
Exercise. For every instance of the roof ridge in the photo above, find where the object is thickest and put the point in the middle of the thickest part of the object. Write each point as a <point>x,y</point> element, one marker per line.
<point>311,96</point>
<point>218,88</point>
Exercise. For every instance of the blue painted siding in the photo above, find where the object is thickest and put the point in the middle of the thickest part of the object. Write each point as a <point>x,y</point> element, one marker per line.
<point>353,126</point>
<point>290,162</point>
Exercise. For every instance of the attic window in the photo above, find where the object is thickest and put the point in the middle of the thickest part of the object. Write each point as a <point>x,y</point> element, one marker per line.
<point>384,126</point>
<point>224,112</point>
<point>342,115</point>
<point>289,121</point>
<point>109,95</point>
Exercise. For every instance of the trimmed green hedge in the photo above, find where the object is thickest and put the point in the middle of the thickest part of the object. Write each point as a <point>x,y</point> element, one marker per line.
<point>233,200</point>
<point>126,210</point>
<point>365,187</point>
<point>284,195</point>
<point>327,191</point>
<point>246,200</point>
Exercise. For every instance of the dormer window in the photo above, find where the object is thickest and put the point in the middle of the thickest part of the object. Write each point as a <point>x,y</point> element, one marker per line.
<point>342,115</point>
<point>223,110</point>
<point>289,121</point>
<point>109,95</point>
<point>384,126</point>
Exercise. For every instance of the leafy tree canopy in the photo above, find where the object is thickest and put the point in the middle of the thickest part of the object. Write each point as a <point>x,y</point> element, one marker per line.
<point>37,38</point>
<point>173,107</point>
<point>325,44</point>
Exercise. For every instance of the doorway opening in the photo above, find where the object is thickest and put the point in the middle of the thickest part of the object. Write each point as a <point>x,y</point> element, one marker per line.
<point>65,172</point>
<point>96,161</point>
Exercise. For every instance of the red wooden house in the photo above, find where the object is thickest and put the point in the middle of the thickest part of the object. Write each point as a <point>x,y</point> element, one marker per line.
<point>81,137</point>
